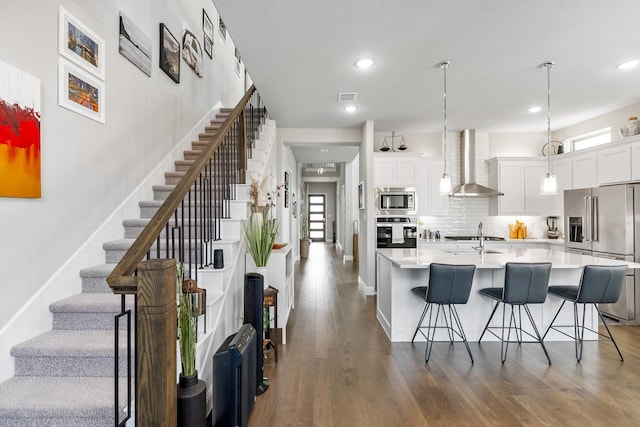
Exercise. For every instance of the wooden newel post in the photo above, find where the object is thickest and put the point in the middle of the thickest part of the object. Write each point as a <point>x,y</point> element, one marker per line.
<point>156,390</point>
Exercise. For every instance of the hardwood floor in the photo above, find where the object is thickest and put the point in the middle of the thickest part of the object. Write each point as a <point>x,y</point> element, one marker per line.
<point>340,369</point>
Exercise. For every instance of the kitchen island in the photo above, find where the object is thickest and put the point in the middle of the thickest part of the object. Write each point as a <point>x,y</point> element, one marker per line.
<point>399,270</point>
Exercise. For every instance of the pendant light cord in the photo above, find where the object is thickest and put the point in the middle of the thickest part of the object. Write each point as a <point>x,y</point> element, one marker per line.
<point>548,65</point>
<point>444,65</point>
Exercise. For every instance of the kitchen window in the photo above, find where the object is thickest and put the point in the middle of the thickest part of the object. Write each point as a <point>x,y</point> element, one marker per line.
<point>591,139</point>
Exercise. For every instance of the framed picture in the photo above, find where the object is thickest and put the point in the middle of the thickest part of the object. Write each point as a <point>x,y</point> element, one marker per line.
<point>294,205</point>
<point>208,46</point>
<point>361,195</point>
<point>207,25</point>
<point>135,45</point>
<point>80,45</point>
<point>222,28</point>
<point>169,54</point>
<point>20,118</point>
<point>286,180</point>
<point>192,52</point>
<point>81,92</point>
<point>286,198</point>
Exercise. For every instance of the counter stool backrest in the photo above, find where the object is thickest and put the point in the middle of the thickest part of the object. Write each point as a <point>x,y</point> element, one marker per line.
<point>526,283</point>
<point>601,284</point>
<point>449,284</point>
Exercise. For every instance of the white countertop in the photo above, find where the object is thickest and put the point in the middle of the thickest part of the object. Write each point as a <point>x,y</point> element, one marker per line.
<point>557,242</point>
<point>422,257</point>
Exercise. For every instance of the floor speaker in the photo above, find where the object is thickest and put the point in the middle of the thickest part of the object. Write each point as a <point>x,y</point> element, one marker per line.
<point>253,311</point>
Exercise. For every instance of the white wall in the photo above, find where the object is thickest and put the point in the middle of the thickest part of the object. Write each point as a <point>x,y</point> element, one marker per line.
<point>90,169</point>
<point>613,120</point>
<point>366,220</point>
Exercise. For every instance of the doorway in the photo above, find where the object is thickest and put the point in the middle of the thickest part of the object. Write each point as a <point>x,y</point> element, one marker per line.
<point>317,217</point>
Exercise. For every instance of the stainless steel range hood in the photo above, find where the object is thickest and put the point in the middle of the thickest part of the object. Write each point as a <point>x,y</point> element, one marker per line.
<point>469,188</point>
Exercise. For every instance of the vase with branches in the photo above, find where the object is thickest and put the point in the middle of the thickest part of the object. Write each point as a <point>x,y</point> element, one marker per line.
<point>262,228</point>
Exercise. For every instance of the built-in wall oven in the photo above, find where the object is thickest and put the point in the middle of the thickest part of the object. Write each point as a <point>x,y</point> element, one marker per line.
<point>396,232</point>
<point>395,201</point>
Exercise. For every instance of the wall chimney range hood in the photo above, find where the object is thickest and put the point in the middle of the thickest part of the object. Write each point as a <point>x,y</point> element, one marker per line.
<point>469,188</point>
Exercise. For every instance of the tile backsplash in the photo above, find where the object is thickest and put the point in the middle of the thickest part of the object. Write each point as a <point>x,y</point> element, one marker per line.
<point>465,213</point>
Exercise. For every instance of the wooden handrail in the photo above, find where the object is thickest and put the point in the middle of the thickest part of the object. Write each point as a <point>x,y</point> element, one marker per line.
<point>121,280</point>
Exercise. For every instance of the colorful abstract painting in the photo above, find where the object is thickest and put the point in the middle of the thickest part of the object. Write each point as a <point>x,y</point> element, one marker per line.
<point>19,133</point>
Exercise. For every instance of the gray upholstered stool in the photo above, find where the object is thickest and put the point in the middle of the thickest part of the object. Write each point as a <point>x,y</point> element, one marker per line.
<point>448,285</point>
<point>524,284</point>
<point>598,284</point>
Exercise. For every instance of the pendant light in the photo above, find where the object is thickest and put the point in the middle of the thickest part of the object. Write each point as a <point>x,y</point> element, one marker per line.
<point>445,180</point>
<point>549,186</point>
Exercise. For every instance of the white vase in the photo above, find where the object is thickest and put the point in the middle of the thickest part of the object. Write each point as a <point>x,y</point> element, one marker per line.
<point>265,276</point>
<point>630,128</point>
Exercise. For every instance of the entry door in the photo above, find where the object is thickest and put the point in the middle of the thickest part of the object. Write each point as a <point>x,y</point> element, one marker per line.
<point>317,217</point>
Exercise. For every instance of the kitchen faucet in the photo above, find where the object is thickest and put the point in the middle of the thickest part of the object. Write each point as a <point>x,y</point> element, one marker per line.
<point>481,236</point>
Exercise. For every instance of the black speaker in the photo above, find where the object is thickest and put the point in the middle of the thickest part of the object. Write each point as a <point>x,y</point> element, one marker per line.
<point>253,296</point>
<point>218,259</point>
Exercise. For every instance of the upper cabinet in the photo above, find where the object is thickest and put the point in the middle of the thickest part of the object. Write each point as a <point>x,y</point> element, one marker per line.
<point>584,170</point>
<point>519,179</point>
<point>614,165</point>
<point>394,171</point>
<point>430,201</point>
<point>400,170</point>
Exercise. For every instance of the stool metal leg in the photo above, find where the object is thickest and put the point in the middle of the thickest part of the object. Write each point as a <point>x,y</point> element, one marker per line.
<point>426,307</point>
<point>504,344</point>
<point>495,307</point>
<point>456,317</point>
<point>609,332</point>
<point>535,329</point>
<point>554,319</point>
<point>427,351</point>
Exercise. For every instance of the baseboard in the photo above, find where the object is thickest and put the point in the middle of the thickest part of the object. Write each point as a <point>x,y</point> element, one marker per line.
<point>367,290</point>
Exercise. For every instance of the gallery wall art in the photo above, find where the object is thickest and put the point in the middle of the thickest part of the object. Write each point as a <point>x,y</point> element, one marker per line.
<point>80,45</point>
<point>169,54</point>
<point>80,92</point>
<point>19,133</point>
<point>207,29</point>
<point>192,52</point>
<point>135,45</point>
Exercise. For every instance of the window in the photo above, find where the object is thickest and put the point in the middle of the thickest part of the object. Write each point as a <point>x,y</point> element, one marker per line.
<point>602,136</point>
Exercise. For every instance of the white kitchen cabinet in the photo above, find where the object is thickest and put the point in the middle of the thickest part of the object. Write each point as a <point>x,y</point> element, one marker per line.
<point>561,167</point>
<point>635,161</point>
<point>583,173</point>
<point>428,173</point>
<point>614,165</point>
<point>394,171</point>
<point>519,179</point>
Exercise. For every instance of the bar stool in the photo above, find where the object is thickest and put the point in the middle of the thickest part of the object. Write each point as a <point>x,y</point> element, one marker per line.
<point>599,284</point>
<point>448,285</point>
<point>524,284</point>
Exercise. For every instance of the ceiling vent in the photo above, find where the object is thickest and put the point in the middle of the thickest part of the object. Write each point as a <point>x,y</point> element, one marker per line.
<point>347,96</point>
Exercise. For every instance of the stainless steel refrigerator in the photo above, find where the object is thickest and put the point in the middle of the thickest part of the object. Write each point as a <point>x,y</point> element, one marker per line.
<point>602,222</point>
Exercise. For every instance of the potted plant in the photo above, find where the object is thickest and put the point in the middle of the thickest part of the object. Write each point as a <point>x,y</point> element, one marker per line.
<point>192,404</point>
<point>261,229</point>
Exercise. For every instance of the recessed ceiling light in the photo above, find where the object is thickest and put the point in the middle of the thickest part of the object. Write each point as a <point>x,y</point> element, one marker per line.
<point>350,108</point>
<point>364,63</point>
<point>628,65</point>
<point>534,109</point>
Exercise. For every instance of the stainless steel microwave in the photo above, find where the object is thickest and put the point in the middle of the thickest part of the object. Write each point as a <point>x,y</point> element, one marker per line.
<point>395,200</point>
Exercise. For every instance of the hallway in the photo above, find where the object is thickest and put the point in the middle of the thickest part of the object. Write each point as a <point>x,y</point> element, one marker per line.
<point>339,369</point>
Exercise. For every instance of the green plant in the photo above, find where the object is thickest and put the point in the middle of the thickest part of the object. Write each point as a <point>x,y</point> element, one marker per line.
<point>261,229</point>
<point>186,328</point>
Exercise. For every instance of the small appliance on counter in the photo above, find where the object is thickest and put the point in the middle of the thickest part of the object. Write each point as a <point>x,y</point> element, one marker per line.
<point>552,225</point>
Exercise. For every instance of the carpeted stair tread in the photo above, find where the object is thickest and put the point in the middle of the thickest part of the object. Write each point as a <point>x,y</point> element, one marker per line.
<point>99,270</point>
<point>88,303</point>
<point>38,401</point>
<point>74,343</point>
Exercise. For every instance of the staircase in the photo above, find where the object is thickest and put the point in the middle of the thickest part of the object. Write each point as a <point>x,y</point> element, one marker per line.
<point>65,377</point>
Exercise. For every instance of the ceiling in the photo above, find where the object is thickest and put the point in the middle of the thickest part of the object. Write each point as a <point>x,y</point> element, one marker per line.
<point>301,54</point>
